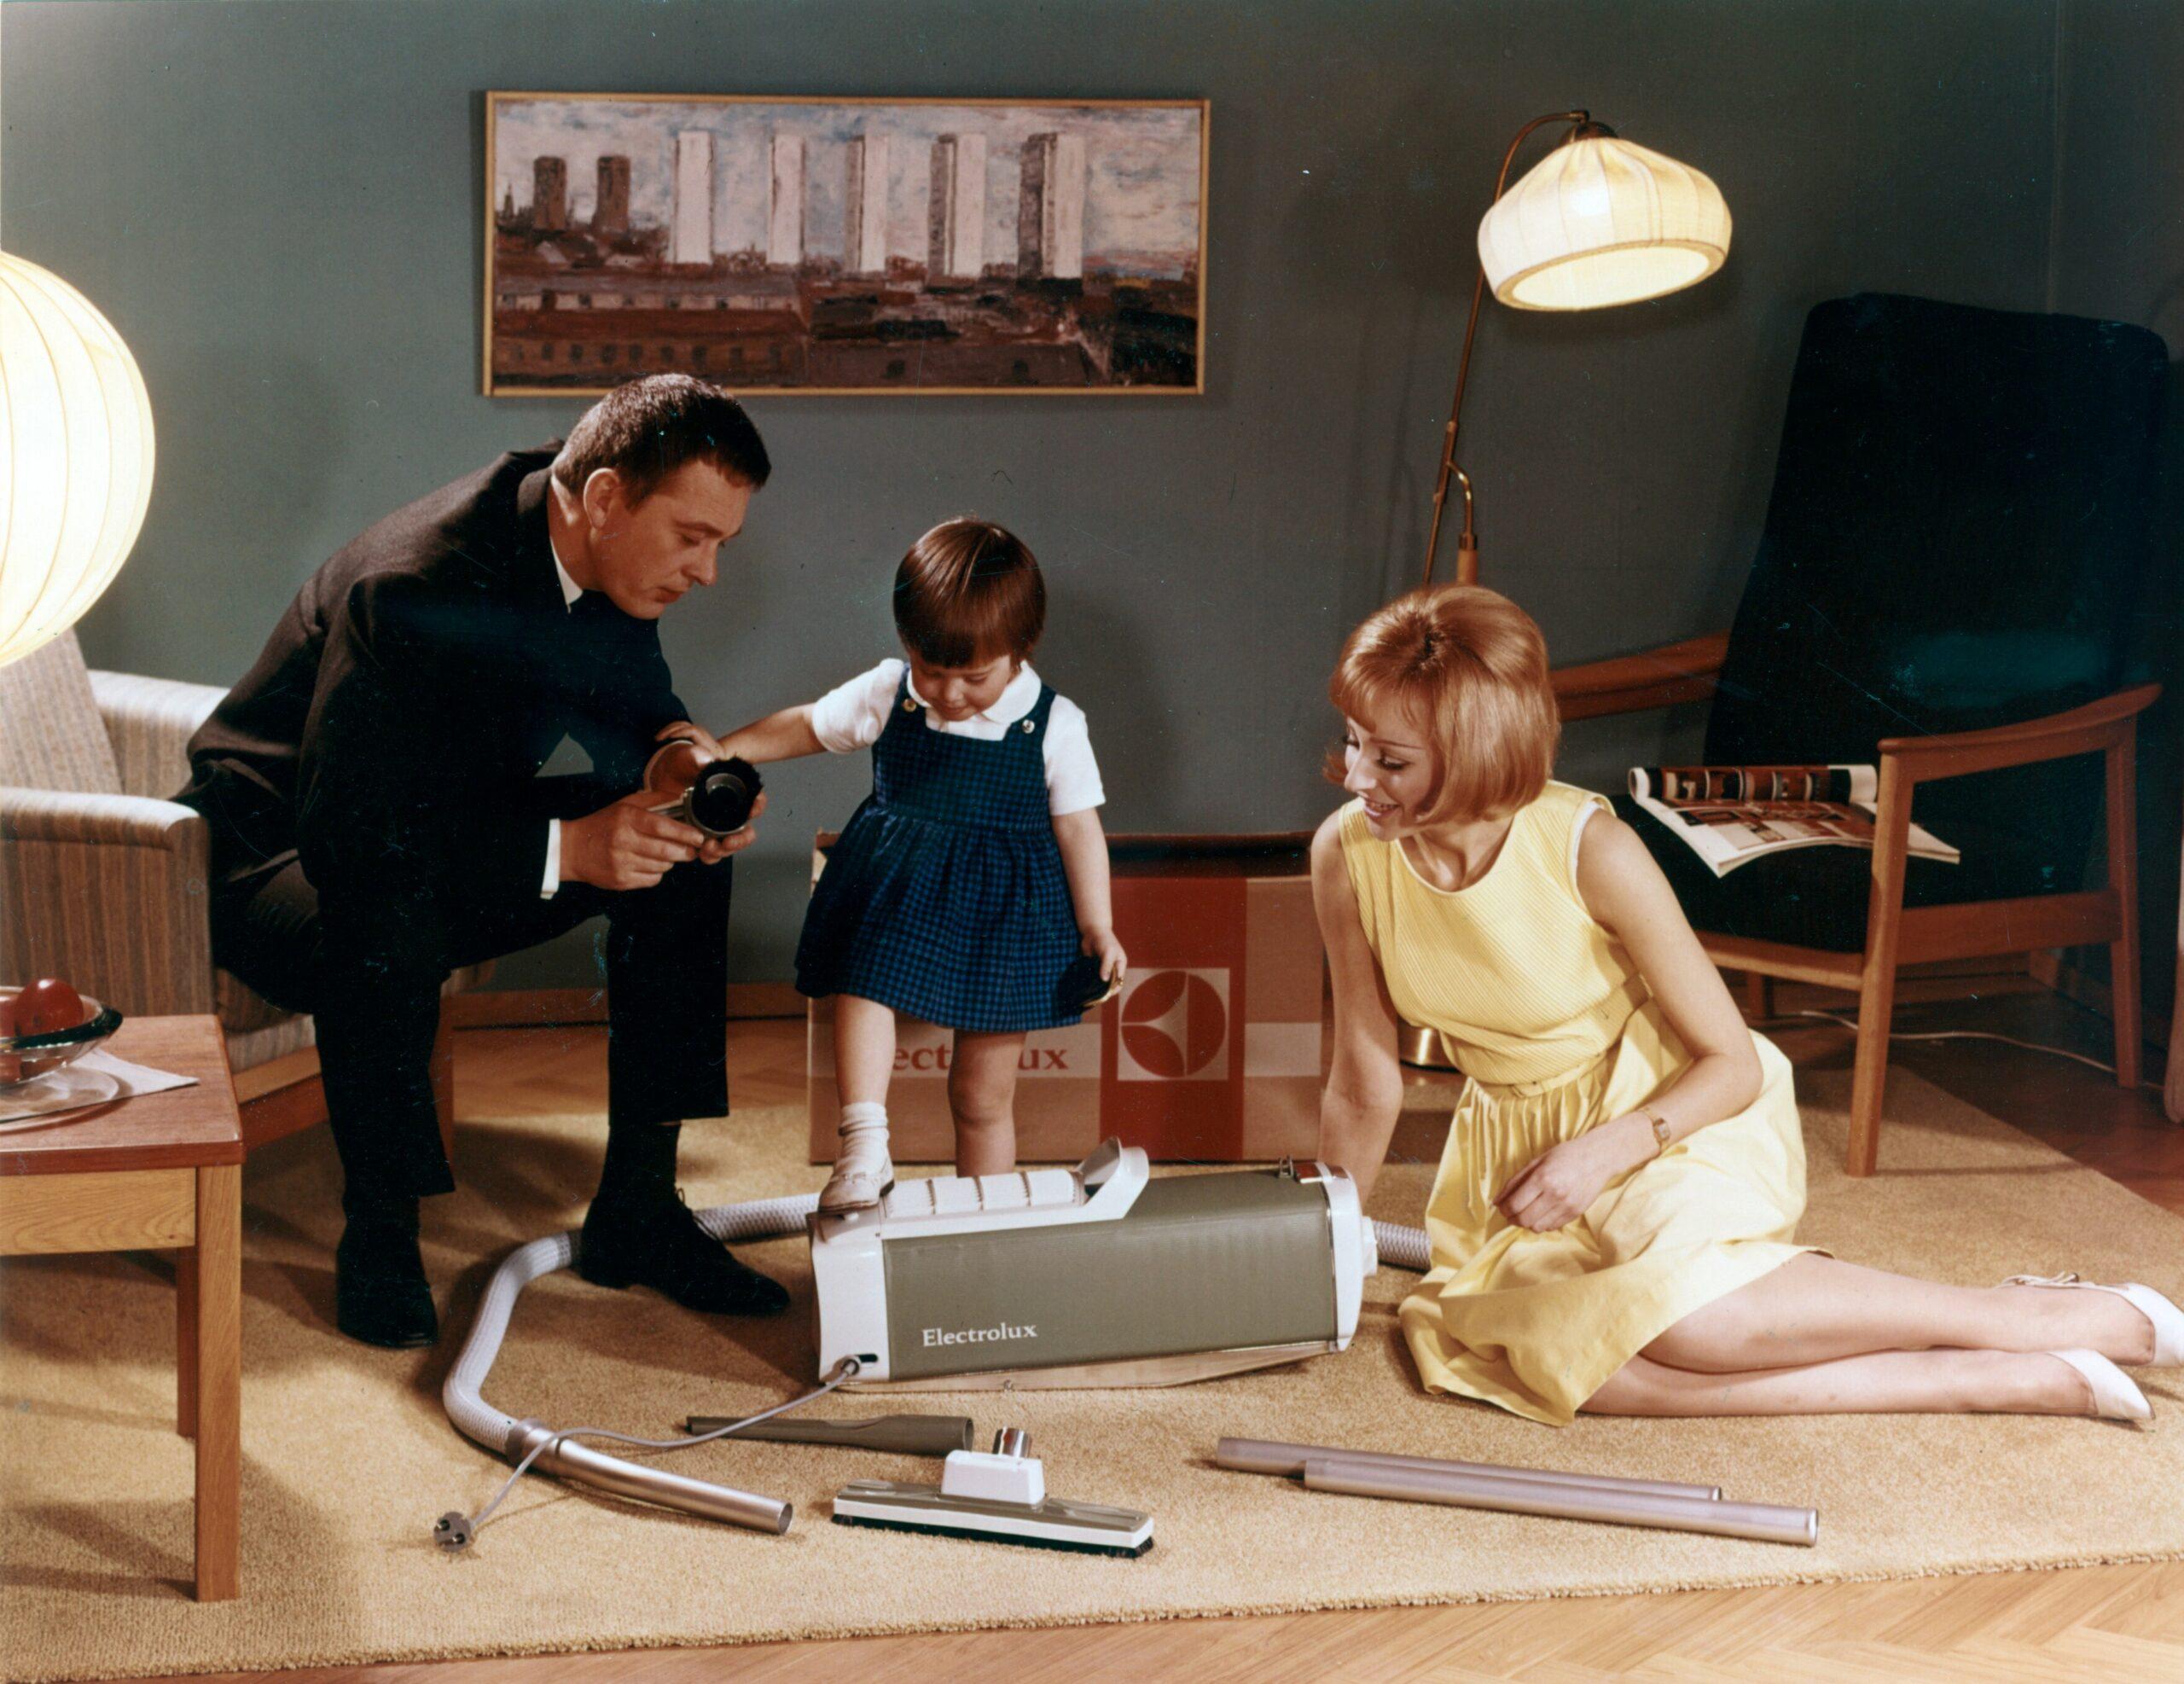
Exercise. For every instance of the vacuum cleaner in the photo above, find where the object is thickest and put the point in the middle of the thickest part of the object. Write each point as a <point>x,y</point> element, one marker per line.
<point>1094,1276</point>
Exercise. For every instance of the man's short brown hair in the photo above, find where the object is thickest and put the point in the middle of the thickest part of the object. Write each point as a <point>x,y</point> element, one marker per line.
<point>1471,667</point>
<point>967,590</point>
<point>645,429</point>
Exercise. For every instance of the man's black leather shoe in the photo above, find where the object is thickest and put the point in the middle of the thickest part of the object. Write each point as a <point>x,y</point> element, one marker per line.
<point>650,1241</point>
<point>381,1295</point>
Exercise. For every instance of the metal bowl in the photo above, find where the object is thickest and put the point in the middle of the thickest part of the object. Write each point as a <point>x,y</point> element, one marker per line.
<point>39,1054</point>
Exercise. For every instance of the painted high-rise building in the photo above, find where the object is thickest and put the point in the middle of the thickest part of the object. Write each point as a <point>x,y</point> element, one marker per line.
<point>610,210</point>
<point>785,210</point>
<point>549,195</point>
<point>690,227</point>
<point>865,251</point>
<point>1050,209</point>
<point>956,230</point>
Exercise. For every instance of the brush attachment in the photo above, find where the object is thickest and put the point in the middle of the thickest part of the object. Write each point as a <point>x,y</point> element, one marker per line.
<point>1000,1496</point>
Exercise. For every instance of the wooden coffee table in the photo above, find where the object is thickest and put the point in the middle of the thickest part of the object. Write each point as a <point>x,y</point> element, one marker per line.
<point>162,1171</point>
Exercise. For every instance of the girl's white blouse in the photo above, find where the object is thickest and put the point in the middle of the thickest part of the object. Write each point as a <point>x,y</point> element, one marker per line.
<point>851,715</point>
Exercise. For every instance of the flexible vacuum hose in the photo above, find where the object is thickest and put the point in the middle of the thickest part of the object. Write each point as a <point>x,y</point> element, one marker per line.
<point>1402,1247</point>
<point>530,1444</point>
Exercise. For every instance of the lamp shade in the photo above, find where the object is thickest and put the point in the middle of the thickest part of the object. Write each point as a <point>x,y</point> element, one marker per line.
<point>75,456</point>
<point>1598,222</point>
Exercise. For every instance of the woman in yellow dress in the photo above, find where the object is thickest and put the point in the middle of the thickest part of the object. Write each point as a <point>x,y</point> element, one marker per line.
<point>1612,1224</point>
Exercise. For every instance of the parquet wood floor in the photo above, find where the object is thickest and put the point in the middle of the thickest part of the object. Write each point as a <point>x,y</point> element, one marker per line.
<point>2093,1624</point>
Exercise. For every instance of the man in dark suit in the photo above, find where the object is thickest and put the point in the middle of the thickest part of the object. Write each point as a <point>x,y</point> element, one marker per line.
<point>378,821</point>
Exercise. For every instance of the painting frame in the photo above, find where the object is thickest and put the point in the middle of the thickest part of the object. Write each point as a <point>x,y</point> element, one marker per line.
<point>498,382</point>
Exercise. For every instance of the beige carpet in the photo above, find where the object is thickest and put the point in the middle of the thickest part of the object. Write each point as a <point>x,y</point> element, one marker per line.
<point>348,1458</point>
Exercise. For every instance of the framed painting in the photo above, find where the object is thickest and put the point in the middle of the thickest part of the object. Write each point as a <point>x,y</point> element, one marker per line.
<point>844,245</point>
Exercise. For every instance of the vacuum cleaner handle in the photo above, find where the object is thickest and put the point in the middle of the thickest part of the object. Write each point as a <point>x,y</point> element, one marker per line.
<point>903,1434</point>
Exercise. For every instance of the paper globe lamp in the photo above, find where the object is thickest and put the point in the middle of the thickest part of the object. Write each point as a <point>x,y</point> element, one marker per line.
<point>1601,221</point>
<point>75,456</point>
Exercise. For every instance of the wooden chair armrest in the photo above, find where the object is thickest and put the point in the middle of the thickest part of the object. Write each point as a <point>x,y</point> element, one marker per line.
<point>1675,673</point>
<point>2080,730</point>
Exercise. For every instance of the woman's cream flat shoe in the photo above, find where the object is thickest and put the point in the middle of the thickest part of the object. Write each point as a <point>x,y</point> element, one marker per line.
<point>2168,1320</point>
<point>2115,1399</point>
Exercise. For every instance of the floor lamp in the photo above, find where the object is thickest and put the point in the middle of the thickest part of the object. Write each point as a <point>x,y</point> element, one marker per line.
<point>1598,222</point>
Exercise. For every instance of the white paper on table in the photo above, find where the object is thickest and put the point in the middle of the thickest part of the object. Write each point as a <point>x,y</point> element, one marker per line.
<point>133,1079</point>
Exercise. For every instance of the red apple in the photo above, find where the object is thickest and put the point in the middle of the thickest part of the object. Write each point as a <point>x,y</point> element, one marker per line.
<point>48,1006</point>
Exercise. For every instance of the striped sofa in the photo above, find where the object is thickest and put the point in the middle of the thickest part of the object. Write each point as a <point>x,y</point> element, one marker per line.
<point>102,877</point>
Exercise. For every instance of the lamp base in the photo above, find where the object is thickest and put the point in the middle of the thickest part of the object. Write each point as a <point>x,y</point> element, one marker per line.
<point>1421,1048</point>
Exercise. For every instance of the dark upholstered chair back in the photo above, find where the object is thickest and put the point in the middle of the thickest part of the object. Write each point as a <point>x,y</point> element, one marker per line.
<point>1957,538</point>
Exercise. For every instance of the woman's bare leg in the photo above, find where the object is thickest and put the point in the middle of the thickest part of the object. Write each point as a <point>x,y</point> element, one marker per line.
<point>982,1095</point>
<point>1936,1382</point>
<point>1816,1309</point>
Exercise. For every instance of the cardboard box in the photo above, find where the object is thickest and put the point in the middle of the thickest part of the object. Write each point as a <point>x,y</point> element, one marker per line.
<point>1212,1053</point>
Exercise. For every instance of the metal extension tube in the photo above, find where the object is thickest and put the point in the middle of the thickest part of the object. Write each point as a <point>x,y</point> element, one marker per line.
<point>1521,1490</point>
<point>1267,1456</point>
<point>1764,1521</point>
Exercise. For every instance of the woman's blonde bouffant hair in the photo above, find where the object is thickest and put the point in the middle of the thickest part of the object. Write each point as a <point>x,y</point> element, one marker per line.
<point>1471,666</point>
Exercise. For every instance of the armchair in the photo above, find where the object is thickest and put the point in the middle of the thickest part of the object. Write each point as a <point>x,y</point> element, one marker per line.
<point>103,879</point>
<point>1953,558</point>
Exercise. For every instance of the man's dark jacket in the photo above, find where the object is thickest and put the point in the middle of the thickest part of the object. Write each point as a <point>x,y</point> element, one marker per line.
<point>392,729</point>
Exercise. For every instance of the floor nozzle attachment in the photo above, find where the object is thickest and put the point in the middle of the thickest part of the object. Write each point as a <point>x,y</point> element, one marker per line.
<point>1000,1496</point>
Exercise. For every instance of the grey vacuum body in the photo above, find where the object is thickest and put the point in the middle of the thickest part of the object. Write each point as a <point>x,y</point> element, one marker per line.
<point>1094,1276</point>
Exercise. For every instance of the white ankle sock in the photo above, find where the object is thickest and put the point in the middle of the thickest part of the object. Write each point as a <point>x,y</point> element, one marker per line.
<point>864,1126</point>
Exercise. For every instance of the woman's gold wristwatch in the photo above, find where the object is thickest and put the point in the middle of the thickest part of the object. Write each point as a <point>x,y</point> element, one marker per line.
<point>1661,1141</point>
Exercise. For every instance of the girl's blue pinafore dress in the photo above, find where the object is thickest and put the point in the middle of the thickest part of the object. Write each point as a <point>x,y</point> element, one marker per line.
<point>945,898</point>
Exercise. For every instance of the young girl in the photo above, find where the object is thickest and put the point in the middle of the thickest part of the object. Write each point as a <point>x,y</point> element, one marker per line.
<point>1613,1223</point>
<point>970,889</point>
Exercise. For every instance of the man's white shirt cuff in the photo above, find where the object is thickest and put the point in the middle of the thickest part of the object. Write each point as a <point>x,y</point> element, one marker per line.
<point>552,885</point>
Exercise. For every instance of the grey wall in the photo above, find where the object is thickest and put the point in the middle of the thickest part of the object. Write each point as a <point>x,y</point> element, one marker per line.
<point>2119,165</point>
<point>2118,252</point>
<point>278,206</point>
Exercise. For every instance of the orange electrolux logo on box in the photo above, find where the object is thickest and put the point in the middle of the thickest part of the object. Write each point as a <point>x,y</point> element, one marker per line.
<point>1175,1026</point>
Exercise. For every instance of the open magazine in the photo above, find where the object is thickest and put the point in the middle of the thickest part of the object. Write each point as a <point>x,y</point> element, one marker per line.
<point>1730,815</point>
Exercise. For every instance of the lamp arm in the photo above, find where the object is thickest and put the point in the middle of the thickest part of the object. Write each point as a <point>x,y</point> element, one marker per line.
<point>1467,541</point>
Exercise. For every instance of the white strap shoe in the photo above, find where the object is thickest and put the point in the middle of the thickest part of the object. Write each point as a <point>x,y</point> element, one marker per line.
<point>2115,1399</point>
<point>2168,1320</point>
<point>863,1175</point>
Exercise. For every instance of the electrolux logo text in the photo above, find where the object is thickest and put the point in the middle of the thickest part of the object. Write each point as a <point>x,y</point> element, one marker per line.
<point>1007,1330</point>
